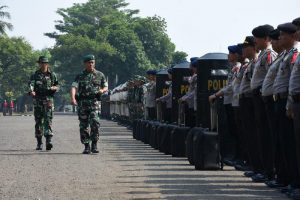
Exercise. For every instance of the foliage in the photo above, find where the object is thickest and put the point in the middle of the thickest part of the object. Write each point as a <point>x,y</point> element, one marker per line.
<point>17,62</point>
<point>124,45</point>
<point>3,24</point>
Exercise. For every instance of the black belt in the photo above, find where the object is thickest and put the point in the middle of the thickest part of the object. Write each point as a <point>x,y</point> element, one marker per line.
<point>267,99</point>
<point>282,95</point>
<point>257,91</point>
<point>296,98</point>
<point>246,95</point>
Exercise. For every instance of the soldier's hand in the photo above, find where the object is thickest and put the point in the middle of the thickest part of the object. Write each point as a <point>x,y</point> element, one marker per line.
<point>101,91</point>
<point>32,93</point>
<point>54,88</point>
<point>74,102</point>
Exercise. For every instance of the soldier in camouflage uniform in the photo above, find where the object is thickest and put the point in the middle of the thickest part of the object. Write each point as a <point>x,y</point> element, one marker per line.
<point>138,97</point>
<point>86,91</point>
<point>42,86</point>
<point>130,98</point>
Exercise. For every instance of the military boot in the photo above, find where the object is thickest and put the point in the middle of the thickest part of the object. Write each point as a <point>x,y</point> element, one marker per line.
<point>94,147</point>
<point>48,143</point>
<point>87,149</point>
<point>39,145</point>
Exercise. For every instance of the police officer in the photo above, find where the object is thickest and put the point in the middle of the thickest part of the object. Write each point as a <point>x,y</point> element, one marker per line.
<point>188,98</point>
<point>246,107</point>
<point>42,87</point>
<point>85,92</point>
<point>280,92</point>
<point>150,94</point>
<point>167,99</point>
<point>241,155</point>
<point>267,96</point>
<point>139,81</point>
<point>265,58</point>
<point>235,51</point>
<point>294,102</point>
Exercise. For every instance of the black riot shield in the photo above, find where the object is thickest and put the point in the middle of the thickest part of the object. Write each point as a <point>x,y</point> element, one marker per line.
<point>161,89</point>
<point>212,76</point>
<point>161,86</point>
<point>180,85</point>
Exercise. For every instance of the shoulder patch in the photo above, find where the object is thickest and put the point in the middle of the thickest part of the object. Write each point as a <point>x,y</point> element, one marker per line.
<point>269,58</point>
<point>294,57</point>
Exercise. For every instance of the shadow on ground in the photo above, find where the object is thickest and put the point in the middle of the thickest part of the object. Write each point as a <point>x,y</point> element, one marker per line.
<point>167,177</point>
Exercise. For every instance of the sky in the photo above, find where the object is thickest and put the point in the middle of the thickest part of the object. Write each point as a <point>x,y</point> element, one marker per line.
<point>196,27</point>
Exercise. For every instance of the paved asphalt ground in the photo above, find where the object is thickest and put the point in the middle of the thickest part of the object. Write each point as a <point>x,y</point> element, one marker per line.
<point>124,168</point>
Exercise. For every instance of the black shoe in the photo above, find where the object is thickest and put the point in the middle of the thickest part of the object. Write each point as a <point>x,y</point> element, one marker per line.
<point>275,184</point>
<point>295,194</point>
<point>259,178</point>
<point>242,167</point>
<point>249,173</point>
<point>87,149</point>
<point>94,147</point>
<point>287,190</point>
<point>39,145</point>
<point>228,162</point>
<point>49,145</point>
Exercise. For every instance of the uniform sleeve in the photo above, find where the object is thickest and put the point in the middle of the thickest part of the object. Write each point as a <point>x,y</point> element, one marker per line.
<point>103,82</point>
<point>75,83</point>
<point>166,97</point>
<point>55,80</point>
<point>31,83</point>
<point>227,89</point>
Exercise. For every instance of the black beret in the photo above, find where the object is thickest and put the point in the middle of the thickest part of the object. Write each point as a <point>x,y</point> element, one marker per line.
<point>262,31</point>
<point>287,28</point>
<point>296,21</point>
<point>274,35</point>
<point>249,41</point>
<point>151,72</point>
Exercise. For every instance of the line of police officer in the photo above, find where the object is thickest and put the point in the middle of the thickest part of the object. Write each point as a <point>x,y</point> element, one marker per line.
<point>262,101</point>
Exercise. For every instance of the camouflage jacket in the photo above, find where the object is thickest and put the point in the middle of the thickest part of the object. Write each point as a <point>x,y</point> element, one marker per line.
<point>88,84</point>
<point>40,83</point>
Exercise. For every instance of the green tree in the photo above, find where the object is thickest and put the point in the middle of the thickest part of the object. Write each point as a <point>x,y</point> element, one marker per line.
<point>178,57</point>
<point>3,24</point>
<point>123,44</point>
<point>18,62</point>
<point>157,45</point>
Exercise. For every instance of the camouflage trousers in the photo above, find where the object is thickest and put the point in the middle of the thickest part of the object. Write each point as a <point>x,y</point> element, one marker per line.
<point>43,115</point>
<point>89,122</point>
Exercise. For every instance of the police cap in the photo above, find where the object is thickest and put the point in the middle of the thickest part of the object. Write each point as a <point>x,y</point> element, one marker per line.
<point>262,31</point>
<point>274,35</point>
<point>249,41</point>
<point>194,58</point>
<point>287,28</point>
<point>151,72</point>
<point>88,57</point>
<point>235,49</point>
<point>194,63</point>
